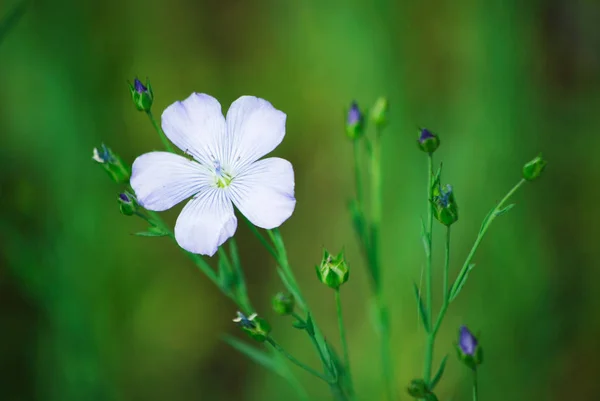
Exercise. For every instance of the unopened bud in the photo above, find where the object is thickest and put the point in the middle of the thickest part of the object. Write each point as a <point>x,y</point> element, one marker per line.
<point>141,94</point>
<point>254,326</point>
<point>333,270</point>
<point>534,168</point>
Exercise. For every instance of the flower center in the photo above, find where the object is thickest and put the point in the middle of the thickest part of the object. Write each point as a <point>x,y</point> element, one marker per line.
<point>222,178</point>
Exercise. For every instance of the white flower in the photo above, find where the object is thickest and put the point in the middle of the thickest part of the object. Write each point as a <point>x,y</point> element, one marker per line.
<point>225,169</point>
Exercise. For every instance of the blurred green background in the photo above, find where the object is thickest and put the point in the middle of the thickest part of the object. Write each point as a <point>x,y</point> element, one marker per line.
<point>90,312</point>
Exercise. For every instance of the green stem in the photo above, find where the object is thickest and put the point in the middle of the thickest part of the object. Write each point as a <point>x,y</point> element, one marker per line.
<point>261,238</point>
<point>486,225</point>
<point>162,135</point>
<point>315,343</point>
<point>447,265</point>
<point>429,273</point>
<point>296,362</point>
<point>373,258</point>
<point>357,173</point>
<point>338,302</point>
<point>475,390</point>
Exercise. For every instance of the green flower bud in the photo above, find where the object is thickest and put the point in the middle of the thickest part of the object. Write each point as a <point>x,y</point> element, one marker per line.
<point>445,206</point>
<point>379,112</point>
<point>127,203</point>
<point>112,163</point>
<point>333,271</point>
<point>417,388</point>
<point>254,326</point>
<point>354,122</point>
<point>142,95</point>
<point>283,304</point>
<point>534,168</point>
<point>428,141</point>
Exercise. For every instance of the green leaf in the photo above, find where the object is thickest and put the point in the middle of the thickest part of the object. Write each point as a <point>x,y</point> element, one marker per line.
<point>504,210</point>
<point>299,325</point>
<point>310,327</point>
<point>422,310</point>
<point>152,232</point>
<point>425,238</point>
<point>258,356</point>
<point>10,20</point>
<point>460,285</point>
<point>439,373</point>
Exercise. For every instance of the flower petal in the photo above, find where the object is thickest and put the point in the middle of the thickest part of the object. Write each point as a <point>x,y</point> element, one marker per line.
<point>264,192</point>
<point>206,222</point>
<point>161,180</point>
<point>254,128</point>
<point>196,126</point>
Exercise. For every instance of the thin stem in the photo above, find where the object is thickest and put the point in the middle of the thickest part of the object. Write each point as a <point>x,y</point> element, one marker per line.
<point>487,223</point>
<point>357,173</point>
<point>447,265</point>
<point>429,273</point>
<point>475,389</point>
<point>162,135</point>
<point>315,343</point>
<point>296,362</point>
<point>338,302</point>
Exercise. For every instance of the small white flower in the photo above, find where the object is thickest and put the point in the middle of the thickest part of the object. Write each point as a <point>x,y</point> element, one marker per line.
<point>225,169</point>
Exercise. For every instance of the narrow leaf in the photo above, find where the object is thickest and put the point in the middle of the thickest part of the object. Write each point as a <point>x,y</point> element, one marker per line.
<point>422,310</point>
<point>486,219</point>
<point>152,232</point>
<point>258,356</point>
<point>504,210</point>
<point>462,282</point>
<point>439,373</point>
<point>299,325</point>
<point>310,327</point>
<point>425,238</point>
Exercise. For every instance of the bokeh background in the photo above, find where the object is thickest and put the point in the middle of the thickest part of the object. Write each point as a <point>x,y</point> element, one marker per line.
<point>90,312</point>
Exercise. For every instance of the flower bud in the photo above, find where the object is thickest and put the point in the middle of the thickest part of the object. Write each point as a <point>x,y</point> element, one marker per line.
<point>468,348</point>
<point>112,163</point>
<point>534,168</point>
<point>445,206</point>
<point>428,141</point>
<point>354,122</point>
<point>127,203</point>
<point>283,304</point>
<point>379,112</point>
<point>254,326</point>
<point>333,271</point>
<point>141,94</point>
<point>417,388</point>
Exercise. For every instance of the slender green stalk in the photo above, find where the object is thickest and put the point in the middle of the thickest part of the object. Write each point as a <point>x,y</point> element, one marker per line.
<point>338,302</point>
<point>296,362</point>
<point>314,341</point>
<point>475,389</point>
<point>428,272</point>
<point>162,135</point>
<point>447,265</point>
<point>261,238</point>
<point>486,225</point>
<point>357,172</point>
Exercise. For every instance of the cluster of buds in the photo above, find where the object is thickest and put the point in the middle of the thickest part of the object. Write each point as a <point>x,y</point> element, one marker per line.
<point>255,327</point>
<point>333,270</point>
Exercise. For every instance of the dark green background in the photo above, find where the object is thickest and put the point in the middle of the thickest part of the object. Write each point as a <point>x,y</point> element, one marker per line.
<point>89,312</point>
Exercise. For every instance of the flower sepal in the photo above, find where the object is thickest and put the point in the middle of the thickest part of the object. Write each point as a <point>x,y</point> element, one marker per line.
<point>127,203</point>
<point>112,163</point>
<point>444,203</point>
<point>333,270</point>
<point>141,94</point>
<point>256,327</point>
<point>533,169</point>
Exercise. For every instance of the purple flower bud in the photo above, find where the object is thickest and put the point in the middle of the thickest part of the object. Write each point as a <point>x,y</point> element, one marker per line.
<point>428,141</point>
<point>467,341</point>
<point>124,197</point>
<point>139,86</point>
<point>425,134</point>
<point>354,115</point>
